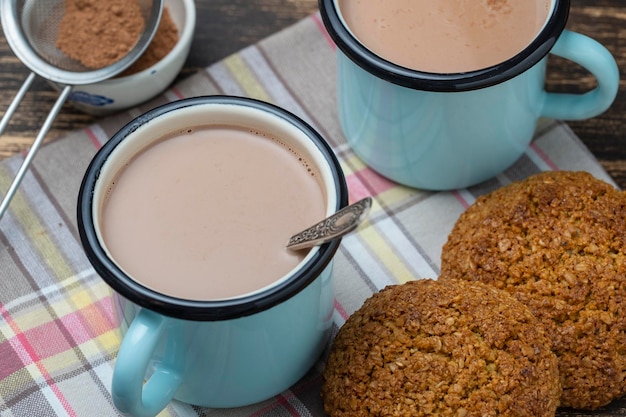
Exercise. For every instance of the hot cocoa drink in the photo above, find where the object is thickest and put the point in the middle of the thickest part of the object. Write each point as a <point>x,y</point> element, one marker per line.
<point>205,214</point>
<point>445,36</point>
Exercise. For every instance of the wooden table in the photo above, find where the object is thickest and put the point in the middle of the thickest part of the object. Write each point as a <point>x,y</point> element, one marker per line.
<point>225,26</point>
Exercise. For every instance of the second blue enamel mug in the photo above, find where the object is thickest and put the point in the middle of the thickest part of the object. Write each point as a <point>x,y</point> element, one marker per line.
<point>448,131</point>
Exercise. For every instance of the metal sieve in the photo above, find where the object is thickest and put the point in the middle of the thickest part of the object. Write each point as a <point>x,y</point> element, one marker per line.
<point>31,28</point>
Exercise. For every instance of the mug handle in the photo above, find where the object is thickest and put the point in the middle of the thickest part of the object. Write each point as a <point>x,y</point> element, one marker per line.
<point>130,394</point>
<point>596,59</point>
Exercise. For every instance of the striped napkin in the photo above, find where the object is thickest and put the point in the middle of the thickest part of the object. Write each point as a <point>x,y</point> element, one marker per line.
<point>58,337</point>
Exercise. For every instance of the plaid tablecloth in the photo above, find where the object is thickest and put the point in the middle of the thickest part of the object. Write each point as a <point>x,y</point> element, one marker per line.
<point>58,337</point>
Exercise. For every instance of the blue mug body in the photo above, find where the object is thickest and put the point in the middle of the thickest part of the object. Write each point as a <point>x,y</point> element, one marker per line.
<point>219,363</point>
<point>450,131</point>
<point>215,353</point>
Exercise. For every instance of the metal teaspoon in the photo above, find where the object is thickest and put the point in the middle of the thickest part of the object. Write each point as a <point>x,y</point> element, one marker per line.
<point>339,224</point>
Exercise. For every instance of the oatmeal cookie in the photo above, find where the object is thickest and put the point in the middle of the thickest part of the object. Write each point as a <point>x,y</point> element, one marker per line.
<point>456,349</point>
<point>557,242</point>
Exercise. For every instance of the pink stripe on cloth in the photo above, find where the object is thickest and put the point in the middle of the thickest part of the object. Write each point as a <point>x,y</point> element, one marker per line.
<point>367,182</point>
<point>10,361</point>
<point>320,25</point>
<point>91,321</point>
<point>544,157</point>
<point>45,340</point>
<point>100,316</point>
<point>342,311</point>
<point>19,341</point>
<point>177,92</point>
<point>460,199</point>
<point>284,402</point>
<point>32,354</point>
<point>93,137</point>
<point>356,189</point>
<point>74,323</point>
<point>286,399</point>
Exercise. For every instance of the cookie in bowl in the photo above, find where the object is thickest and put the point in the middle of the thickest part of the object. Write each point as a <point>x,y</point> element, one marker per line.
<point>441,348</point>
<point>556,241</point>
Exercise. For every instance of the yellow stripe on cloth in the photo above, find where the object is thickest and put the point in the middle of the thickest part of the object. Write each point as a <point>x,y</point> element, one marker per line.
<point>397,195</point>
<point>36,233</point>
<point>385,254</point>
<point>165,413</point>
<point>80,299</point>
<point>245,78</point>
<point>106,343</point>
<point>351,164</point>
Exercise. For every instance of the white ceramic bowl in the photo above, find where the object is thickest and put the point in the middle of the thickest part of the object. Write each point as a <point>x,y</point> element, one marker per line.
<point>122,93</point>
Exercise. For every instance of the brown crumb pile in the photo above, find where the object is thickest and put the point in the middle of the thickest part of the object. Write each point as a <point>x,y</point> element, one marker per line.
<point>557,242</point>
<point>165,38</point>
<point>97,33</point>
<point>454,349</point>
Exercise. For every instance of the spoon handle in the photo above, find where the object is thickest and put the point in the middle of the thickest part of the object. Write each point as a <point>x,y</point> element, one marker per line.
<point>342,222</point>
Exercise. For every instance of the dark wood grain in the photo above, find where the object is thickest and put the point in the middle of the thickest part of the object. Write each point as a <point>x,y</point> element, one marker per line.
<point>225,26</point>
<point>605,136</point>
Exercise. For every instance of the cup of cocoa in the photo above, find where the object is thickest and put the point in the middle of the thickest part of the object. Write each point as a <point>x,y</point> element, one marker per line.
<point>446,94</point>
<point>185,213</point>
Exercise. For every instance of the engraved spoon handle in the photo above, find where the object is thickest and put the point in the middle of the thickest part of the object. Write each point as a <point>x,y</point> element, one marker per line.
<point>342,222</point>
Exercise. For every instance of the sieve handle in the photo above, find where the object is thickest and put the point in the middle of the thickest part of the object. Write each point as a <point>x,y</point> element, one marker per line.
<point>38,140</point>
<point>16,102</point>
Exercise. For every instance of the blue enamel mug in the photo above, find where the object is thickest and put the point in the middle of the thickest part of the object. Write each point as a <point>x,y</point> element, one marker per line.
<point>227,352</point>
<point>448,131</point>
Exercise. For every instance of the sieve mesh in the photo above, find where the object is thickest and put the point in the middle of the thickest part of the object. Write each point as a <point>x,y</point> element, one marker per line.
<point>40,21</point>
<point>31,28</point>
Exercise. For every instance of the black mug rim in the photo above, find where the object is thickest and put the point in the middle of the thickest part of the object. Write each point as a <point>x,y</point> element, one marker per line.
<point>444,82</point>
<point>194,310</point>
